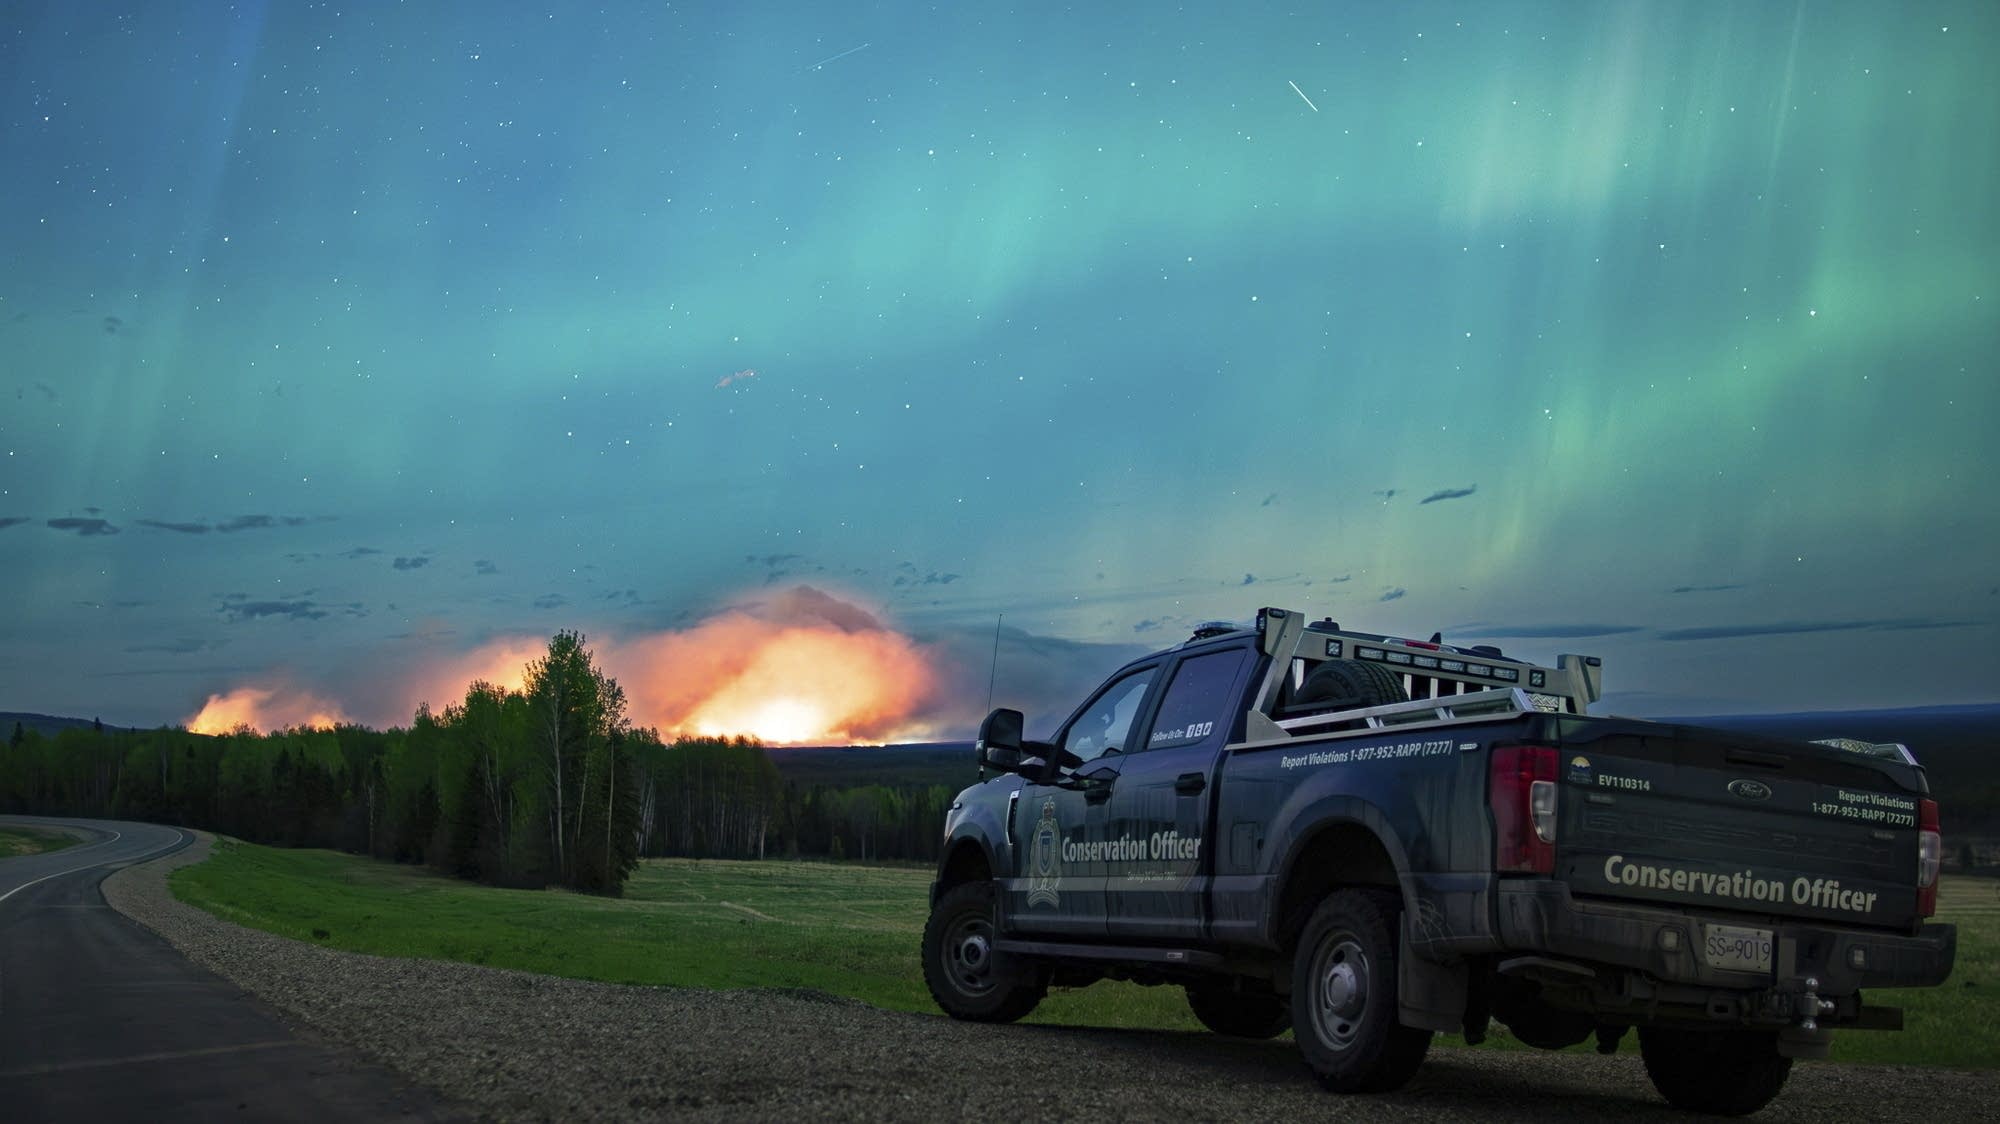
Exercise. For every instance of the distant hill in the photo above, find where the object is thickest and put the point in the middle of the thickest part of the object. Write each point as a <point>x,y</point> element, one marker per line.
<point>47,725</point>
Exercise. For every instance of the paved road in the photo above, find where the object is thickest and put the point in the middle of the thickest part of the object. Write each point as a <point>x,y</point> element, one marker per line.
<point>101,1020</point>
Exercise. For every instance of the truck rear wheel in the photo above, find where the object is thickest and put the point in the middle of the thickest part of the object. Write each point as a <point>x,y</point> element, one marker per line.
<point>966,977</point>
<point>1350,685</point>
<point>1344,1001</point>
<point>1238,1014</point>
<point>1727,1073</point>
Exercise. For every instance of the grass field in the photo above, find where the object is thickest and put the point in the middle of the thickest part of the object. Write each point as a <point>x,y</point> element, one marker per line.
<point>16,841</point>
<point>849,930</point>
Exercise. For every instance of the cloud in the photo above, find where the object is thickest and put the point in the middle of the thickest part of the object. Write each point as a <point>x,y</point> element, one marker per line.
<point>301,610</point>
<point>1702,588</point>
<point>931,578</point>
<point>1150,625</point>
<point>482,566</point>
<point>1544,632</point>
<point>416,563</point>
<point>1791,628</point>
<point>359,552</point>
<point>241,523</point>
<point>259,522</point>
<point>1342,578</point>
<point>550,601</point>
<point>1269,500</point>
<point>84,527</point>
<point>745,373</point>
<point>11,520</point>
<point>182,646</point>
<point>1387,494</point>
<point>1448,494</point>
<point>778,559</point>
<point>112,324</point>
<point>1395,594</point>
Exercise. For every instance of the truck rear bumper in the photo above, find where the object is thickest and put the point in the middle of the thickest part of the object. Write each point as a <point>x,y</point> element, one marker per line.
<point>1541,916</point>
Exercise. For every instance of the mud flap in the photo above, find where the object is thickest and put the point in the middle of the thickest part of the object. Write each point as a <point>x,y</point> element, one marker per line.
<point>1429,996</point>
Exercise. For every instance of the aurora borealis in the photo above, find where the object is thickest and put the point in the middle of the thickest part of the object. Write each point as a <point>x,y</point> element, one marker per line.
<point>340,342</point>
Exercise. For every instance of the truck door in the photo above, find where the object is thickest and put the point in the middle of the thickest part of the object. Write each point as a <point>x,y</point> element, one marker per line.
<point>1061,832</point>
<point>1160,802</point>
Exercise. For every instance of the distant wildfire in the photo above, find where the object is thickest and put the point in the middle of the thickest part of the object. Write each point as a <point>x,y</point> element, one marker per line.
<point>802,668</point>
<point>265,708</point>
<point>799,668</point>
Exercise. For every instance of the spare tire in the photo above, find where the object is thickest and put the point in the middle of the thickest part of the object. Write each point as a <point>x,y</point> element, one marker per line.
<point>1350,685</point>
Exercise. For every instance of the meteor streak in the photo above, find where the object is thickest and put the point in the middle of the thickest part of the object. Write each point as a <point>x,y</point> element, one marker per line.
<point>841,55</point>
<point>1302,95</point>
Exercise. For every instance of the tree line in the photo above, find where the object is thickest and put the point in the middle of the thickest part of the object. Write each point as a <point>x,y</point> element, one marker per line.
<point>550,785</point>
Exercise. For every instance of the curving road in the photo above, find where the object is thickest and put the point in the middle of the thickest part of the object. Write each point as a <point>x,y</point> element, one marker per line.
<point>102,1020</point>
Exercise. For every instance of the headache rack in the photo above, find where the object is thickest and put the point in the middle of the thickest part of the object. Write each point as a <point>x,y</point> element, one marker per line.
<point>1445,683</point>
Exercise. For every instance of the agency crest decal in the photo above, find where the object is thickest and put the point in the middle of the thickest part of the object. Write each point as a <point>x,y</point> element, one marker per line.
<point>1045,859</point>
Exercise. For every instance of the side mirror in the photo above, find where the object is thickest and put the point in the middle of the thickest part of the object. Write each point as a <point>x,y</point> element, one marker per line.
<point>999,744</point>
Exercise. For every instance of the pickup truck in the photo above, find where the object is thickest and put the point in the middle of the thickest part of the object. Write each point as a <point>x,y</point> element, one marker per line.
<point>1367,840</point>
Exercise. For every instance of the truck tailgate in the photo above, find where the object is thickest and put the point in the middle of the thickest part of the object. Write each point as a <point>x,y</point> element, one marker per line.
<point>1697,817</point>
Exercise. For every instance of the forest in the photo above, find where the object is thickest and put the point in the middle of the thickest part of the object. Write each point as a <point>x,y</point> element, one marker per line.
<point>550,785</point>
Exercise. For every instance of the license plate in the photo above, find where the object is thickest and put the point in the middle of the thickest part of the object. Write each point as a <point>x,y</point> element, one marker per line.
<point>1736,949</point>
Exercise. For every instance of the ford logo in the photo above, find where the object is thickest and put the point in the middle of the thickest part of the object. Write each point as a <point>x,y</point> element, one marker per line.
<point>1750,790</point>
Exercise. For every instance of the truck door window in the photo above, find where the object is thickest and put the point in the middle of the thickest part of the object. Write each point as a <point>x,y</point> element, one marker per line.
<point>1199,703</point>
<point>1104,727</point>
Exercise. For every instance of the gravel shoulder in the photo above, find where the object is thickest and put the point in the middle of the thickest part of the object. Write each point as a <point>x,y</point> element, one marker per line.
<point>517,1046</point>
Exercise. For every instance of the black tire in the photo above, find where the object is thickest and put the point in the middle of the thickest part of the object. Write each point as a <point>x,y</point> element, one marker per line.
<point>1721,1072</point>
<point>1350,685</point>
<point>1238,1014</point>
<point>967,979</point>
<point>1344,995</point>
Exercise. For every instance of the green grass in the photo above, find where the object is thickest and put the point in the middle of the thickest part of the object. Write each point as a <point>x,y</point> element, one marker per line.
<point>1957,1023</point>
<point>839,928</point>
<point>17,841</point>
<point>850,930</point>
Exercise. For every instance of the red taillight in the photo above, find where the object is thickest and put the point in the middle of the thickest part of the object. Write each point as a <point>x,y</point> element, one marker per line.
<point>1930,853</point>
<point>1522,792</point>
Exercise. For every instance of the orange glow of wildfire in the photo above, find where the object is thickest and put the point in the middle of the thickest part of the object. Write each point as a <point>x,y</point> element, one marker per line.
<point>803,668</point>
<point>813,681</point>
<point>265,709</point>
<point>503,663</point>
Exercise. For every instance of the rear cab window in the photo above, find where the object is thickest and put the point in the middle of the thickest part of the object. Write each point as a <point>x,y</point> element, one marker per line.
<point>1201,701</point>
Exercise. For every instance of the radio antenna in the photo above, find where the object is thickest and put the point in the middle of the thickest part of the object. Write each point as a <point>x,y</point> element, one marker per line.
<point>993,669</point>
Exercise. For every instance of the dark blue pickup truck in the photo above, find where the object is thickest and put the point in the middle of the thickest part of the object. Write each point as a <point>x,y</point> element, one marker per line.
<point>1367,840</point>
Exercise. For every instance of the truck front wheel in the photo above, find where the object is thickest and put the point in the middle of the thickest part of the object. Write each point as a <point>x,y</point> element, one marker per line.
<point>1726,1073</point>
<point>1344,995</point>
<point>966,977</point>
<point>1238,1014</point>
